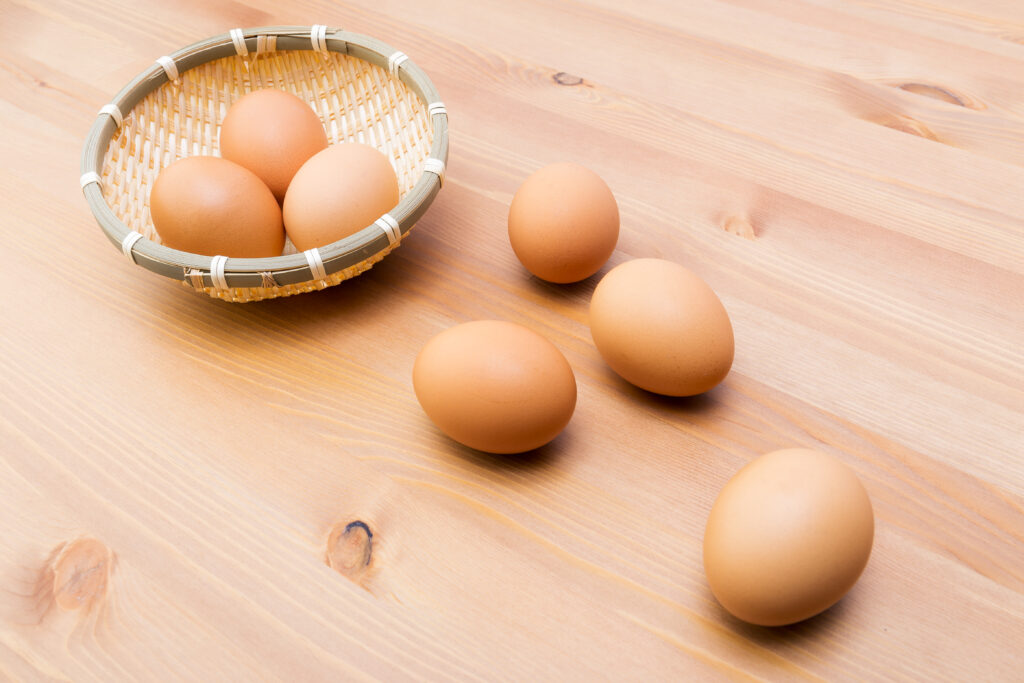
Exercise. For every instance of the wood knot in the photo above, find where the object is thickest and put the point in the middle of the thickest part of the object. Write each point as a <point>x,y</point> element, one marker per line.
<point>563,78</point>
<point>81,573</point>
<point>906,124</point>
<point>735,224</point>
<point>350,549</point>
<point>938,92</point>
<point>933,91</point>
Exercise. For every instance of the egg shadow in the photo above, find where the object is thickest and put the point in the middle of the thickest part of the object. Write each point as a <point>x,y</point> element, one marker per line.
<point>567,292</point>
<point>698,405</point>
<point>535,461</point>
<point>790,635</point>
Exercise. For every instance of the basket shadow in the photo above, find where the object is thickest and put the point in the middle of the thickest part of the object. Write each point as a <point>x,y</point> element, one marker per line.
<point>304,312</point>
<point>349,298</point>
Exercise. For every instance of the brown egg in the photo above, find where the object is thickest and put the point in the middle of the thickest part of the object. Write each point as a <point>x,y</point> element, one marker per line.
<point>661,327</point>
<point>495,386</point>
<point>563,223</point>
<point>787,537</point>
<point>338,192</point>
<point>211,206</point>
<point>272,133</point>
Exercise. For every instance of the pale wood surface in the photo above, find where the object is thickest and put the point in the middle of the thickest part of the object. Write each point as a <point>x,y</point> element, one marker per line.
<point>847,175</point>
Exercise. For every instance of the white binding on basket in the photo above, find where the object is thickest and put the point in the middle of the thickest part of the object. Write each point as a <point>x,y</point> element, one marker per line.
<point>113,112</point>
<point>128,243</point>
<point>89,177</point>
<point>238,38</point>
<point>316,264</point>
<point>318,36</point>
<point>435,166</point>
<point>170,68</point>
<point>395,61</point>
<point>389,225</point>
<point>265,43</point>
<point>217,266</point>
<point>436,108</point>
<point>195,276</point>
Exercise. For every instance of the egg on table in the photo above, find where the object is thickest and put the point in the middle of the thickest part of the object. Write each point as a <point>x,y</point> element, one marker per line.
<point>787,537</point>
<point>495,386</point>
<point>661,327</point>
<point>563,223</point>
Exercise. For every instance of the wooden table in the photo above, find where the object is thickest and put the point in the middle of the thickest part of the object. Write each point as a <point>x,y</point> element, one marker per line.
<point>177,474</point>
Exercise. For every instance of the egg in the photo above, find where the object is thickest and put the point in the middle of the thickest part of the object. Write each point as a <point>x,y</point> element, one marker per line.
<point>272,133</point>
<point>338,192</point>
<point>661,327</point>
<point>212,206</point>
<point>787,537</point>
<point>563,223</point>
<point>495,386</point>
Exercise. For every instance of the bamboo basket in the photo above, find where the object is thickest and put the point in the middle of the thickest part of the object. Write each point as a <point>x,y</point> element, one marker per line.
<point>363,90</point>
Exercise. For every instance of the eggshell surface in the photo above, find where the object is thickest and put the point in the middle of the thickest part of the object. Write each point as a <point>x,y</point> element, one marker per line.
<point>212,206</point>
<point>337,193</point>
<point>271,133</point>
<point>495,386</point>
<point>563,223</point>
<point>661,327</point>
<point>787,537</point>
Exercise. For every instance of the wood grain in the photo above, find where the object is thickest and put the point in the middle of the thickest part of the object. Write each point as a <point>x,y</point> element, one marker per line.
<point>197,490</point>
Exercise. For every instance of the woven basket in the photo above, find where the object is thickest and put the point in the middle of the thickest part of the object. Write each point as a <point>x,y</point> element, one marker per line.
<point>363,90</point>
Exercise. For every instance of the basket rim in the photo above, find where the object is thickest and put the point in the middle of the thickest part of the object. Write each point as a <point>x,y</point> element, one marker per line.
<point>212,271</point>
